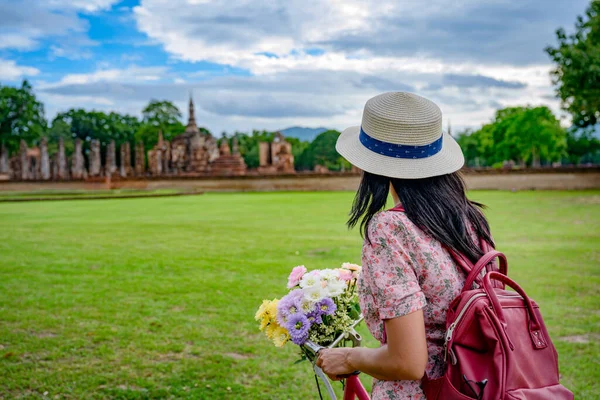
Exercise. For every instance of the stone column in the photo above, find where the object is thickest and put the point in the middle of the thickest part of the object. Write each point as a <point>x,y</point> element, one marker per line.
<point>125,160</point>
<point>78,166</point>
<point>61,161</point>
<point>24,160</point>
<point>4,169</point>
<point>95,161</point>
<point>111,159</point>
<point>235,147</point>
<point>140,159</point>
<point>44,159</point>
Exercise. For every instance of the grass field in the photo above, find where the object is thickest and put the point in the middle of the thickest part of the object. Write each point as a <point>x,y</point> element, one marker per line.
<point>155,298</point>
<point>81,194</point>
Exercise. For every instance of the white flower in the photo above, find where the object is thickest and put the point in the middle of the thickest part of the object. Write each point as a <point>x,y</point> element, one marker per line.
<point>310,279</point>
<point>335,288</point>
<point>329,274</point>
<point>306,305</point>
<point>314,293</point>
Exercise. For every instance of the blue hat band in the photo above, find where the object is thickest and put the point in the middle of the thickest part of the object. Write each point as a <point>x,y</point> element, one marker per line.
<point>400,150</point>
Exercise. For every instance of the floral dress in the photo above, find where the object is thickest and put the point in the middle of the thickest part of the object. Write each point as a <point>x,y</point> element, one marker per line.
<point>405,270</point>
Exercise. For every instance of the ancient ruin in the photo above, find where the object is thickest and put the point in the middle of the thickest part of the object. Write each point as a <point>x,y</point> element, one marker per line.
<point>111,159</point>
<point>95,161</point>
<point>44,160</point>
<point>140,159</point>
<point>78,170</point>
<point>229,163</point>
<point>276,157</point>
<point>125,167</point>
<point>194,152</point>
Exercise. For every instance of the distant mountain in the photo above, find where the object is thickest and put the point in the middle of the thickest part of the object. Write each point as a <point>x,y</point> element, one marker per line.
<point>305,134</point>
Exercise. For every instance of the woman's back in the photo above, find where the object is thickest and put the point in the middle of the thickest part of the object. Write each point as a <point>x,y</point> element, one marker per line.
<point>405,270</point>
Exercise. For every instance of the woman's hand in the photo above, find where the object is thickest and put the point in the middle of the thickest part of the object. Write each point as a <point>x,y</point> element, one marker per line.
<point>334,362</point>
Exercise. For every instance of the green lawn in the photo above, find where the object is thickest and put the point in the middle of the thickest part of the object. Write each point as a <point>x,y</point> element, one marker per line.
<point>155,298</point>
<point>81,194</point>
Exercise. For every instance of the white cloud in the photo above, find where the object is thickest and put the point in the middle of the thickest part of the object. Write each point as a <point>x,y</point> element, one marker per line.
<point>10,71</point>
<point>16,41</point>
<point>26,23</point>
<point>82,5</point>
<point>130,74</point>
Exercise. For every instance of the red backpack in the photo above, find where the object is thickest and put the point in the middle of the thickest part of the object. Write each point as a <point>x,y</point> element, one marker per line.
<point>496,345</point>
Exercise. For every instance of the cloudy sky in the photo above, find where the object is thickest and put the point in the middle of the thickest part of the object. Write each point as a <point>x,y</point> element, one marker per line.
<point>277,63</point>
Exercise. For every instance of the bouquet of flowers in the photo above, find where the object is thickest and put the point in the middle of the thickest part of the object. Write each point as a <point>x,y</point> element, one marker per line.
<point>320,306</point>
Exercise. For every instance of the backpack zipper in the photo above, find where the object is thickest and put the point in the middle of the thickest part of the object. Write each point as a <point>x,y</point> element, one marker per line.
<point>453,325</point>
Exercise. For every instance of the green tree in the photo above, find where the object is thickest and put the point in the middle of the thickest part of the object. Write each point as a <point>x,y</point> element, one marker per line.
<point>577,71</point>
<point>60,129</point>
<point>160,116</point>
<point>88,125</point>
<point>582,146</point>
<point>321,151</point>
<point>527,135</point>
<point>21,116</point>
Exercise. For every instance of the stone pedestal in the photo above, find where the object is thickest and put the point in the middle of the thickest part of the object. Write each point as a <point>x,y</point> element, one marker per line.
<point>111,159</point>
<point>44,160</point>
<point>95,160</point>
<point>78,163</point>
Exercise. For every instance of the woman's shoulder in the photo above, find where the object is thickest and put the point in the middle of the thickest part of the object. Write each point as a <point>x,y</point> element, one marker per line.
<point>392,222</point>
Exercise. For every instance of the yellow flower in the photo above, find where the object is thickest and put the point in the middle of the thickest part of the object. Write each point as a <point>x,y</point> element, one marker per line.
<point>271,328</point>
<point>272,308</point>
<point>262,310</point>
<point>280,336</point>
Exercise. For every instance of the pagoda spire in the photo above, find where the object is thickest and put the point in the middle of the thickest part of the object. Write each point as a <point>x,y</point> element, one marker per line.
<point>191,125</point>
<point>191,118</point>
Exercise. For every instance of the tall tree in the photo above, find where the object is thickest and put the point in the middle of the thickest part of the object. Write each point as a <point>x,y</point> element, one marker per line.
<point>159,116</point>
<point>321,151</point>
<point>527,135</point>
<point>88,125</point>
<point>582,146</point>
<point>21,116</point>
<point>577,71</point>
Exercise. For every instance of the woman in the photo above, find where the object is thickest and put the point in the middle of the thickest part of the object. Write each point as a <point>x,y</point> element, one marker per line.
<point>409,276</point>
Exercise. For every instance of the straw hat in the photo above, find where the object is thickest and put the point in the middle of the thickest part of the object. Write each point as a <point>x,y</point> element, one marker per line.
<point>401,137</point>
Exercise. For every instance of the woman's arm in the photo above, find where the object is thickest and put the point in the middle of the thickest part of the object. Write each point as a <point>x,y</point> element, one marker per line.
<point>404,357</point>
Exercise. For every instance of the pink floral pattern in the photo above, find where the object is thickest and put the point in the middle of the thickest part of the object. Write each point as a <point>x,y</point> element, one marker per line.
<point>405,270</point>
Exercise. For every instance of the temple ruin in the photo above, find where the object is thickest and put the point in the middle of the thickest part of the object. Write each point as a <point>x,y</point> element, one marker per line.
<point>276,157</point>
<point>192,153</point>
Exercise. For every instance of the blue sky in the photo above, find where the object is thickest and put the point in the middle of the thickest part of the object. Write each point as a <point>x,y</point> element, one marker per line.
<point>272,64</point>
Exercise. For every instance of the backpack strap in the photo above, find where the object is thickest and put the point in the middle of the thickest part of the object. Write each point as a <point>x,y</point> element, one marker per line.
<point>483,262</point>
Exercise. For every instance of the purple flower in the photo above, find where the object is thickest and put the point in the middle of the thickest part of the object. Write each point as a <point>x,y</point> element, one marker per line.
<point>298,326</point>
<point>315,316</point>
<point>326,306</point>
<point>287,306</point>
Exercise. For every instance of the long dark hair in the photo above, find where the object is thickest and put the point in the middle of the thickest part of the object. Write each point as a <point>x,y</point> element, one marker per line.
<point>439,206</point>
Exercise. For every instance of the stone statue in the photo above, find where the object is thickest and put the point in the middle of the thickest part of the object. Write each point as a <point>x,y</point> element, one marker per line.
<point>224,147</point>
<point>78,164</point>
<point>111,159</point>
<point>235,147</point>
<point>95,161</point>
<point>44,159</point>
